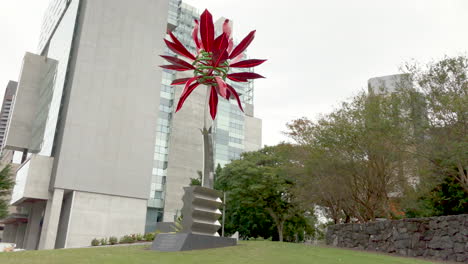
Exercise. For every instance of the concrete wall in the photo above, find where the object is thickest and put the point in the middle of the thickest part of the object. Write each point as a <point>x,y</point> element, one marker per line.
<point>98,216</point>
<point>107,137</point>
<point>186,149</point>
<point>442,238</point>
<point>32,179</point>
<point>9,233</point>
<point>253,134</point>
<point>64,220</point>
<point>30,83</point>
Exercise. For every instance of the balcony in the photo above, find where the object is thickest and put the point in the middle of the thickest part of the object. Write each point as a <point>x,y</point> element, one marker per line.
<point>32,180</point>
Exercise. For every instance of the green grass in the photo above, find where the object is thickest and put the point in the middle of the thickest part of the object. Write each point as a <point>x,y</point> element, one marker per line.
<point>246,252</point>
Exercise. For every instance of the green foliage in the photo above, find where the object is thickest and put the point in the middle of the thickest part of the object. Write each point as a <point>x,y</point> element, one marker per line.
<point>351,159</point>
<point>446,198</point>
<point>103,241</point>
<point>139,237</point>
<point>177,226</point>
<point>127,239</point>
<point>259,197</point>
<point>196,181</point>
<point>378,153</point>
<point>113,240</point>
<point>150,236</point>
<point>95,242</point>
<point>444,87</point>
<point>6,185</point>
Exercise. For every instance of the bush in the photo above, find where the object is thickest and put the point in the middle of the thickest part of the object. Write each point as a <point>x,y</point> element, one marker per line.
<point>139,237</point>
<point>94,242</point>
<point>113,240</point>
<point>103,241</point>
<point>150,236</point>
<point>127,239</point>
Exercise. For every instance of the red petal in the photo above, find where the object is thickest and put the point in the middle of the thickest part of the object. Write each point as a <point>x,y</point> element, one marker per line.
<point>178,62</point>
<point>247,63</point>
<point>219,57</point>
<point>174,67</point>
<point>230,46</point>
<point>180,81</point>
<point>221,43</point>
<point>227,28</point>
<point>243,45</point>
<point>195,31</point>
<point>237,58</point>
<point>213,102</point>
<point>243,76</point>
<point>222,87</point>
<point>181,50</point>
<point>233,91</point>
<point>207,30</point>
<point>188,89</point>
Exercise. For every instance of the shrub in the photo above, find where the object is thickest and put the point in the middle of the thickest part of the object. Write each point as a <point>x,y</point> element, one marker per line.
<point>94,242</point>
<point>112,240</point>
<point>127,239</point>
<point>103,241</point>
<point>139,237</point>
<point>150,236</point>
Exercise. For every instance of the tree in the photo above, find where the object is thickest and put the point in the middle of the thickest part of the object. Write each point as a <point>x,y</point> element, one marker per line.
<point>444,87</point>
<point>446,198</point>
<point>259,193</point>
<point>6,184</point>
<point>355,157</point>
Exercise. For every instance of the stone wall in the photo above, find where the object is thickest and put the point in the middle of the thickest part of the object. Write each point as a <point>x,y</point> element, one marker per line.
<point>443,238</point>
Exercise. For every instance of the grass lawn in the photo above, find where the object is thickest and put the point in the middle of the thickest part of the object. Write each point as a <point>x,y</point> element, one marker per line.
<point>246,252</point>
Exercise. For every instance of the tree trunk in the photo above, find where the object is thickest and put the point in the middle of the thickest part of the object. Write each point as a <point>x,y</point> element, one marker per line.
<point>279,226</point>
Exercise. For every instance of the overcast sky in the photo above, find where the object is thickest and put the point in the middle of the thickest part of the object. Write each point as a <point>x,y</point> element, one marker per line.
<point>319,52</point>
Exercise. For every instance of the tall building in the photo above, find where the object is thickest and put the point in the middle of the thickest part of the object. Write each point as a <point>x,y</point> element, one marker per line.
<point>102,152</point>
<point>10,92</point>
<point>415,109</point>
<point>84,118</point>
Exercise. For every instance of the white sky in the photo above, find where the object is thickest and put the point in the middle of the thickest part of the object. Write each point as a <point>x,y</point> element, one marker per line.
<point>319,52</point>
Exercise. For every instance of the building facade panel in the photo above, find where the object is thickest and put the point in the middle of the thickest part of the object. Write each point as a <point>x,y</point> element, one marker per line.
<point>113,97</point>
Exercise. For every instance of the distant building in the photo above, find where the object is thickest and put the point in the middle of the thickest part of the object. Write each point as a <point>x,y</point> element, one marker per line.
<point>416,110</point>
<point>389,84</point>
<point>93,126</point>
<point>10,92</point>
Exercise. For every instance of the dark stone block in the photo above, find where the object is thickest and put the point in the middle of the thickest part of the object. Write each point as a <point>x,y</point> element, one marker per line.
<point>402,244</point>
<point>459,247</point>
<point>189,241</point>
<point>462,257</point>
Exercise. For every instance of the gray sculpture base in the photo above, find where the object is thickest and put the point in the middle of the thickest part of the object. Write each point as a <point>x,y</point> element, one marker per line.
<point>189,241</point>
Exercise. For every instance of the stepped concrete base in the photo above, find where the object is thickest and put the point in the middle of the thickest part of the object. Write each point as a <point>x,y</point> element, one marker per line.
<point>189,241</point>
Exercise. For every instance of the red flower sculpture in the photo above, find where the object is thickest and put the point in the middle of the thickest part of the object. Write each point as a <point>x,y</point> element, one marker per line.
<point>212,62</point>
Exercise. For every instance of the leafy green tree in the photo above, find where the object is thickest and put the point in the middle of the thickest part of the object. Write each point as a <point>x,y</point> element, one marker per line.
<point>259,193</point>
<point>354,157</point>
<point>6,184</point>
<point>446,198</point>
<point>444,87</point>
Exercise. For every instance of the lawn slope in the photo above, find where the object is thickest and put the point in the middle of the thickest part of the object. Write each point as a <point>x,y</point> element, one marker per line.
<point>246,252</point>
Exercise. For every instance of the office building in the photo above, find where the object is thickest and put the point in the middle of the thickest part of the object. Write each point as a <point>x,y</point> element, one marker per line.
<point>102,153</point>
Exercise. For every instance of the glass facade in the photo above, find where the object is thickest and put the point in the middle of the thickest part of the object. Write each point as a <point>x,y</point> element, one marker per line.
<point>228,127</point>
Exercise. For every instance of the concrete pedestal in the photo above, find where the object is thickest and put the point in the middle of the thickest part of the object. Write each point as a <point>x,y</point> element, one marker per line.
<point>189,241</point>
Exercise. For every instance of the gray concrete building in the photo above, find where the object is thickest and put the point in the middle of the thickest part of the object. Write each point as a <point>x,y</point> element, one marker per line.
<point>389,83</point>
<point>101,151</point>
<point>10,92</point>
